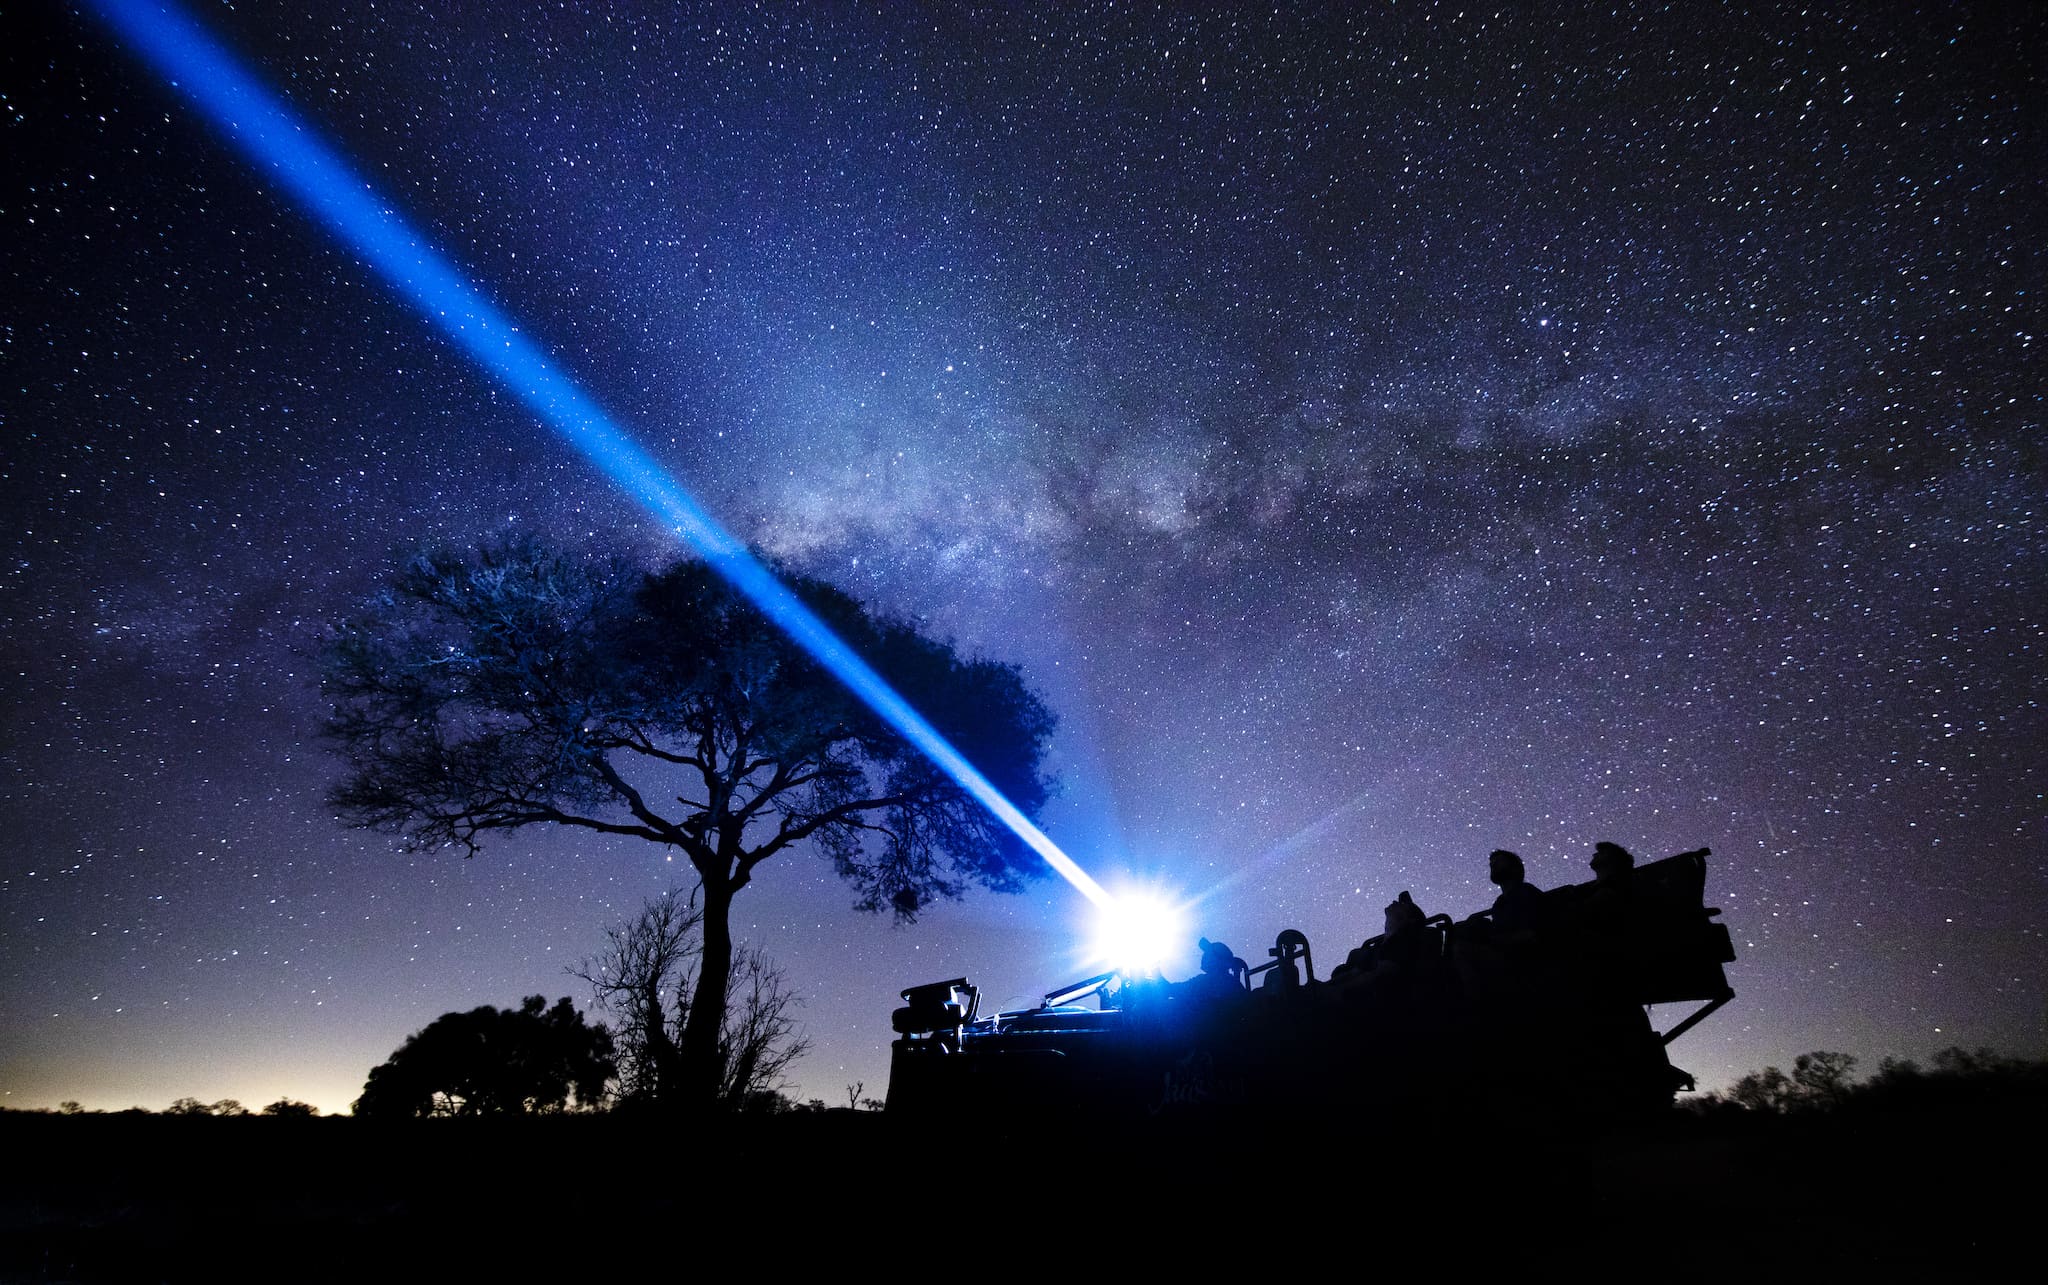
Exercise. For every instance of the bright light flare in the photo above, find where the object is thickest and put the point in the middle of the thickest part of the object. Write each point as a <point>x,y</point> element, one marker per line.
<point>292,152</point>
<point>1138,931</point>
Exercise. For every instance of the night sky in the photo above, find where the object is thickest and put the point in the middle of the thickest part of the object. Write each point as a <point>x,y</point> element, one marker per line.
<point>1382,434</point>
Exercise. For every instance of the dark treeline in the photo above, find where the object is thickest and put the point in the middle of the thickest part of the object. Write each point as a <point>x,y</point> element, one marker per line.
<point>1813,1171</point>
<point>1824,1082</point>
<point>1820,1083</point>
<point>226,1108</point>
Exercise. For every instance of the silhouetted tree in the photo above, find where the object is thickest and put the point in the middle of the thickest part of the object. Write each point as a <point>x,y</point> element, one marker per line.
<point>292,1108</point>
<point>188,1106</point>
<point>758,1038</point>
<point>1957,1074</point>
<point>646,979</point>
<point>856,1101</point>
<point>522,687</point>
<point>1978,1080</point>
<point>639,980</point>
<point>1961,1063</point>
<point>1822,1078</point>
<point>492,1061</point>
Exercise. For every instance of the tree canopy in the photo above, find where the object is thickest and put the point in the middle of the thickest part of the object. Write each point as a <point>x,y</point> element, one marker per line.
<point>521,686</point>
<point>491,1061</point>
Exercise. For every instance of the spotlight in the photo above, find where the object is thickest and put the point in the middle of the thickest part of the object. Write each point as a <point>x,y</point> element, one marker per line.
<point>1137,931</point>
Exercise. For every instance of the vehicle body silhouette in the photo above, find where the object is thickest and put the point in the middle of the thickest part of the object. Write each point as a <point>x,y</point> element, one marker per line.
<point>1445,1016</point>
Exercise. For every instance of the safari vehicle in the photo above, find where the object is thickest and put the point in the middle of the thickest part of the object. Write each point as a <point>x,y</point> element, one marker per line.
<point>1457,1015</point>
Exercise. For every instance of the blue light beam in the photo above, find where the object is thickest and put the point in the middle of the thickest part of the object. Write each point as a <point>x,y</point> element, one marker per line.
<point>275,139</point>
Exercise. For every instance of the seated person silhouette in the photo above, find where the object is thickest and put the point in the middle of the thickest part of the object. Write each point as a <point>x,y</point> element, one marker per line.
<point>1395,955</point>
<point>1613,894</point>
<point>1518,910</point>
<point>1493,952</point>
<point>1608,924</point>
<point>1222,975</point>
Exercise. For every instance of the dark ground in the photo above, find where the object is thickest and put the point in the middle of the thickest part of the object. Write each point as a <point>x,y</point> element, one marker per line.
<point>1941,1188</point>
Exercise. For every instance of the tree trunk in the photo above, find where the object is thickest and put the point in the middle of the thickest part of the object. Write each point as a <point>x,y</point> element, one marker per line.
<point>697,1054</point>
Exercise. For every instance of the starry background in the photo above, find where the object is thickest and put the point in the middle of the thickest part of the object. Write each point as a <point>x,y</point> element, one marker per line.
<point>1382,433</point>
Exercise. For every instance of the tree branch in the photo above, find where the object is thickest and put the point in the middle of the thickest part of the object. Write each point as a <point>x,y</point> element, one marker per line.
<point>634,803</point>
<point>789,834</point>
<point>640,743</point>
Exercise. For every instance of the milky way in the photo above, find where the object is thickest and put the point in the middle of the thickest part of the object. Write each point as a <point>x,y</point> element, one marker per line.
<point>1382,434</point>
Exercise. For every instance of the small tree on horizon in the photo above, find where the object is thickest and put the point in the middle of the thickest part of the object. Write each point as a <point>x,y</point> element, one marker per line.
<point>529,1060</point>
<point>291,1108</point>
<point>523,687</point>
